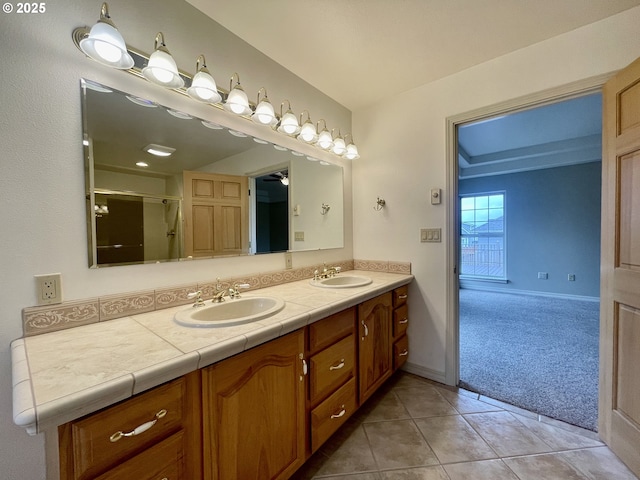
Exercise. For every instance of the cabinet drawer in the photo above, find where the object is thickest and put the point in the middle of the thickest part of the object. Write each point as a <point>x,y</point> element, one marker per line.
<point>327,331</point>
<point>400,295</point>
<point>93,438</point>
<point>400,352</point>
<point>162,461</point>
<point>400,321</point>
<point>327,417</point>
<point>331,368</point>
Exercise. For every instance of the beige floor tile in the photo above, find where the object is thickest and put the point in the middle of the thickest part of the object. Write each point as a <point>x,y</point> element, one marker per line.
<point>482,470</point>
<point>424,402</point>
<point>506,434</point>
<point>558,438</point>
<point>548,466</point>
<point>383,407</point>
<point>508,407</point>
<point>466,404</point>
<point>422,473</point>
<point>598,464</point>
<point>358,476</point>
<point>352,455</point>
<point>453,440</point>
<point>398,444</point>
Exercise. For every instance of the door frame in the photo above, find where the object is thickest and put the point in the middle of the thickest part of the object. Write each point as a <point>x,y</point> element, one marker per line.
<point>452,220</point>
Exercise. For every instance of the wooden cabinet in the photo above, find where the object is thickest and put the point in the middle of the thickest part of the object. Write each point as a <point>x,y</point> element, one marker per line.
<point>254,412</point>
<point>400,324</point>
<point>375,346</point>
<point>332,371</point>
<point>153,435</point>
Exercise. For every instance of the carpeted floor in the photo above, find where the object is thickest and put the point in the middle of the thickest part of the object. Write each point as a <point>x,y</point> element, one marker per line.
<point>538,353</point>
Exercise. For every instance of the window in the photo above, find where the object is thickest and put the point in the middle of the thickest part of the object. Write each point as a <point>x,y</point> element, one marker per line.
<point>482,236</point>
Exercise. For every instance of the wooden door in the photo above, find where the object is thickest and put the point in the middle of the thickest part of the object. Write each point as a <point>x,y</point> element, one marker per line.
<point>375,353</point>
<point>254,412</point>
<point>619,409</point>
<point>216,214</point>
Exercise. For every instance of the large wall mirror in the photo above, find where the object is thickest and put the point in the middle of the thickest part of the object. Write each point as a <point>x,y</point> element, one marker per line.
<point>163,185</point>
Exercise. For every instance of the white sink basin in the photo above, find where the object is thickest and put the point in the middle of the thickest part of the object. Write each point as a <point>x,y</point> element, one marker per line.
<point>342,281</point>
<point>230,312</point>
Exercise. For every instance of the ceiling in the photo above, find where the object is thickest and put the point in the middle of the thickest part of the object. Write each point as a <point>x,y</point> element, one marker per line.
<point>355,50</point>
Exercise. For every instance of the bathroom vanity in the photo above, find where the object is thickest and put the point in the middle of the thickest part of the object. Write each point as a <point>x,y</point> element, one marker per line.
<point>252,401</point>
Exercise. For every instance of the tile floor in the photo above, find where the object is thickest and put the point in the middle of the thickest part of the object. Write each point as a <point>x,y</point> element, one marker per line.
<point>414,429</point>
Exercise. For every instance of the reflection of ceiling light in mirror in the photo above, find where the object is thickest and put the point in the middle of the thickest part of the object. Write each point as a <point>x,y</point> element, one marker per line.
<point>178,114</point>
<point>281,148</point>
<point>142,164</point>
<point>211,125</point>
<point>141,101</point>
<point>96,87</point>
<point>322,162</point>
<point>236,133</point>
<point>297,154</point>
<point>260,141</point>
<point>311,159</point>
<point>159,150</point>
<point>284,181</point>
<point>85,142</point>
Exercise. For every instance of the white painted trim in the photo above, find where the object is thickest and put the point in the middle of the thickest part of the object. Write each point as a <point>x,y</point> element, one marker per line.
<point>531,293</point>
<point>424,372</point>
<point>545,97</point>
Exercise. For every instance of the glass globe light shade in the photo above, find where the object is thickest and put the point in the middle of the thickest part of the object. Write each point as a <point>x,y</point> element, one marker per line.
<point>105,45</point>
<point>289,124</point>
<point>203,88</point>
<point>308,133</point>
<point>264,114</point>
<point>339,146</point>
<point>237,102</point>
<point>162,70</point>
<point>324,140</point>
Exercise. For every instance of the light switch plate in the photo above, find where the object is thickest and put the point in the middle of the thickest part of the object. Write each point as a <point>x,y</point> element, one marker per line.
<point>436,196</point>
<point>299,236</point>
<point>430,235</point>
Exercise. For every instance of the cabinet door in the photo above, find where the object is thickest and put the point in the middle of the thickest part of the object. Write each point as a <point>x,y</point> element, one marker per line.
<point>254,407</point>
<point>375,353</point>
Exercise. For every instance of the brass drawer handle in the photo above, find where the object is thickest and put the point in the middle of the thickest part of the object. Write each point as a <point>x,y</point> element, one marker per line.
<point>366,329</point>
<point>340,413</point>
<point>337,367</point>
<point>138,430</point>
<point>403,297</point>
<point>404,353</point>
<point>403,321</point>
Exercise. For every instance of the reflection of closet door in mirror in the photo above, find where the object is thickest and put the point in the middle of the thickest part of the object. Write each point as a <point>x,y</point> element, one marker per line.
<point>216,214</point>
<point>120,231</point>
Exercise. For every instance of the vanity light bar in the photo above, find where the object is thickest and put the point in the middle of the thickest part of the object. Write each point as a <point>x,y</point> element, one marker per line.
<point>104,43</point>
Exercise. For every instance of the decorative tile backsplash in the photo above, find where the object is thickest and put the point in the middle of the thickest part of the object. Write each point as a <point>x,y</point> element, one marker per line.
<point>49,318</point>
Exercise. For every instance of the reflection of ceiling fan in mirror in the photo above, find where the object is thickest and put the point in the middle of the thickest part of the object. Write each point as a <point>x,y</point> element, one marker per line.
<point>282,177</point>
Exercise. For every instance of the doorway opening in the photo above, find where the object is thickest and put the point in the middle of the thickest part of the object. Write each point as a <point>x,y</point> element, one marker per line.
<point>271,206</point>
<point>528,211</point>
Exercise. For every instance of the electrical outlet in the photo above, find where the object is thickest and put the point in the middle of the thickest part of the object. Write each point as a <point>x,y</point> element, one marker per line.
<point>298,237</point>
<point>288,262</point>
<point>571,277</point>
<point>48,289</point>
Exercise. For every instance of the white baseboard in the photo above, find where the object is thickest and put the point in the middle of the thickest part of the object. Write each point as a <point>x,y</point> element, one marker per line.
<point>424,372</point>
<point>567,296</point>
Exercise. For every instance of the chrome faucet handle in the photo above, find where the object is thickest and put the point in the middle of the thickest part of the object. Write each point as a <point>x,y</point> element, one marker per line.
<point>198,296</point>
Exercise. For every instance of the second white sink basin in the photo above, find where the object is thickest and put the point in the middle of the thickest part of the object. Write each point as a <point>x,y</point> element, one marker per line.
<point>342,281</point>
<point>230,312</point>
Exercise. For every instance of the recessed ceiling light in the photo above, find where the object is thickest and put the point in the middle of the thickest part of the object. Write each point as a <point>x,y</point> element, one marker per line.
<point>159,150</point>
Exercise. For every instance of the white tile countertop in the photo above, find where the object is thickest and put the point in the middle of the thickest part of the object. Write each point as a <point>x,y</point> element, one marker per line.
<point>63,375</point>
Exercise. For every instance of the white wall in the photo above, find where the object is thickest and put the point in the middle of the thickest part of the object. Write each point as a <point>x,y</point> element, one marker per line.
<point>42,174</point>
<point>403,145</point>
